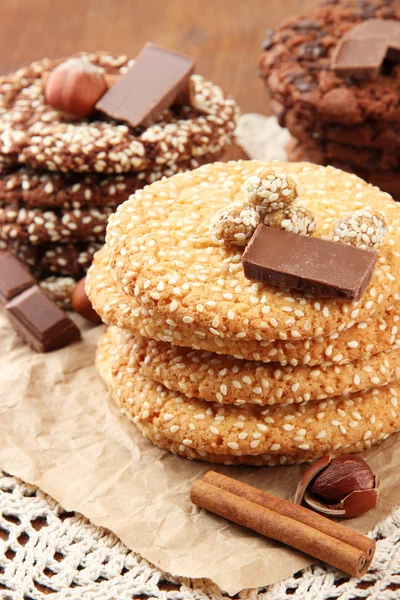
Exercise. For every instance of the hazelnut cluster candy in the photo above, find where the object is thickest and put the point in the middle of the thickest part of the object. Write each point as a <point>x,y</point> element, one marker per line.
<point>363,228</point>
<point>296,219</point>
<point>268,190</point>
<point>235,225</point>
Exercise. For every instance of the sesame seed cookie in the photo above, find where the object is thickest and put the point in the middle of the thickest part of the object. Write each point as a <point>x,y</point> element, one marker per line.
<point>72,260</point>
<point>361,339</point>
<point>35,134</point>
<point>103,363</point>
<point>162,252</point>
<point>39,226</point>
<point>25,187</point>
<point>248,434</point>
<point>227,380</point>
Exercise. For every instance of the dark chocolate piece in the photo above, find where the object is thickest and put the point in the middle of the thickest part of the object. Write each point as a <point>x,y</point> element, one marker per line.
<point>14,277</point>
<point>361,53</point>
<point>290,260</point>
<point>394,48</point>
<point>381,27</point>
<point>360,57</point>
<point>148,88</point>
<point>39,322</point>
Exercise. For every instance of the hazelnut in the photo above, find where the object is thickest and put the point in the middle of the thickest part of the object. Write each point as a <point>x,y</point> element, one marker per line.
<point>344,486</point>
<point>75,86</point>
<point>82,305</point>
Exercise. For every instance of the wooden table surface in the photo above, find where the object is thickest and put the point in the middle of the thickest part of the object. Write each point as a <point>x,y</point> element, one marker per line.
<point>224,36</point>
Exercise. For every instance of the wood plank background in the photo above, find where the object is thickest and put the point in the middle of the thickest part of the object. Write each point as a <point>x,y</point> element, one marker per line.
<point>224,36</point>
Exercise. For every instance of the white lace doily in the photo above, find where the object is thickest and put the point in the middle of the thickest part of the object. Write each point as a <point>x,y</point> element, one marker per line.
<point>46,552</point>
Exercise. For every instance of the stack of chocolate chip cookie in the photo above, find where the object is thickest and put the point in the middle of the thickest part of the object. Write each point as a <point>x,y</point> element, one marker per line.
<point>211,365</point>
<point>333,77</point>
<point>62,176</point>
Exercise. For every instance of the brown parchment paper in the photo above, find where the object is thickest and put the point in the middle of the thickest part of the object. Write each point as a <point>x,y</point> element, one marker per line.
<point>59,431</point>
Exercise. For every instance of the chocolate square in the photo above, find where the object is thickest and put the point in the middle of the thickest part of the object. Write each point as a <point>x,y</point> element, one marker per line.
<point>151,85</point>
<point>323,268</point>
<point>14,277</point>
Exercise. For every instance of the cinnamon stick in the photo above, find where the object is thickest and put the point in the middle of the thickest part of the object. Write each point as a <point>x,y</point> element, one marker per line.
<point>294,511</point>
<point>279,527</point>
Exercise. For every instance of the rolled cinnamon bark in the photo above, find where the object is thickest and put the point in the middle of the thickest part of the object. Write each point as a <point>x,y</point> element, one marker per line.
<point>294,511</point>
<point>284,529</point>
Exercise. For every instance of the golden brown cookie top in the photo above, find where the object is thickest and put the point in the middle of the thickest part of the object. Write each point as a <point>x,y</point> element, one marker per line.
<point>162,251</point>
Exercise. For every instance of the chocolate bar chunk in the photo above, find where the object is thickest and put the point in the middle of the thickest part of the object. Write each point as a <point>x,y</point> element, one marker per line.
<point>289,260</point>
<point>394,48</point>
<point>40,323</point>
<point>359,57</point>
<point>14,277</point>
<point>148,88</point>
<point>362,51</point>
<point>382,27</point>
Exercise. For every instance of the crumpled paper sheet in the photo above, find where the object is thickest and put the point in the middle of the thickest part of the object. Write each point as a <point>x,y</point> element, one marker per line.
<point>59,431</point>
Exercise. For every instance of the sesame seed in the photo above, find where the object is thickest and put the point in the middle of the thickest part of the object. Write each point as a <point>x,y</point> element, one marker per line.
<point>262,427</point>
<point>352,344</point>
<point>288,427</point>
<point>233,445</point>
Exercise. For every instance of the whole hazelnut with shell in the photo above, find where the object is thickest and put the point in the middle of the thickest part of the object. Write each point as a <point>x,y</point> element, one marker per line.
<point>270,190</point>
<point>75,86</point>
<point>344,486</point>
<point>81,303</point>
<point>235,224</point>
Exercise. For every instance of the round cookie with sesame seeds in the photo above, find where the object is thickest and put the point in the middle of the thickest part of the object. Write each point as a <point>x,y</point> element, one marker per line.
<point>227,380</point>
<point>35,134</point>
<point>360,340</point>
<point>39,226</point>
<point>162,252</point>
<point>29,188</point>
<point>72,260</point>
<point>247,433</point>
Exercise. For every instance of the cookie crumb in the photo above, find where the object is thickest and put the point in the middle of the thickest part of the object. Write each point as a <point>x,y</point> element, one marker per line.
<point>296,219</point>
<point>235,224</point>
<point>363,229</point>
<point>270,190</point>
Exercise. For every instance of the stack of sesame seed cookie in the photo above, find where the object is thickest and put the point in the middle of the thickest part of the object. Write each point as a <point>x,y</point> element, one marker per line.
<point>61,177</point>
<point>212,366</point>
